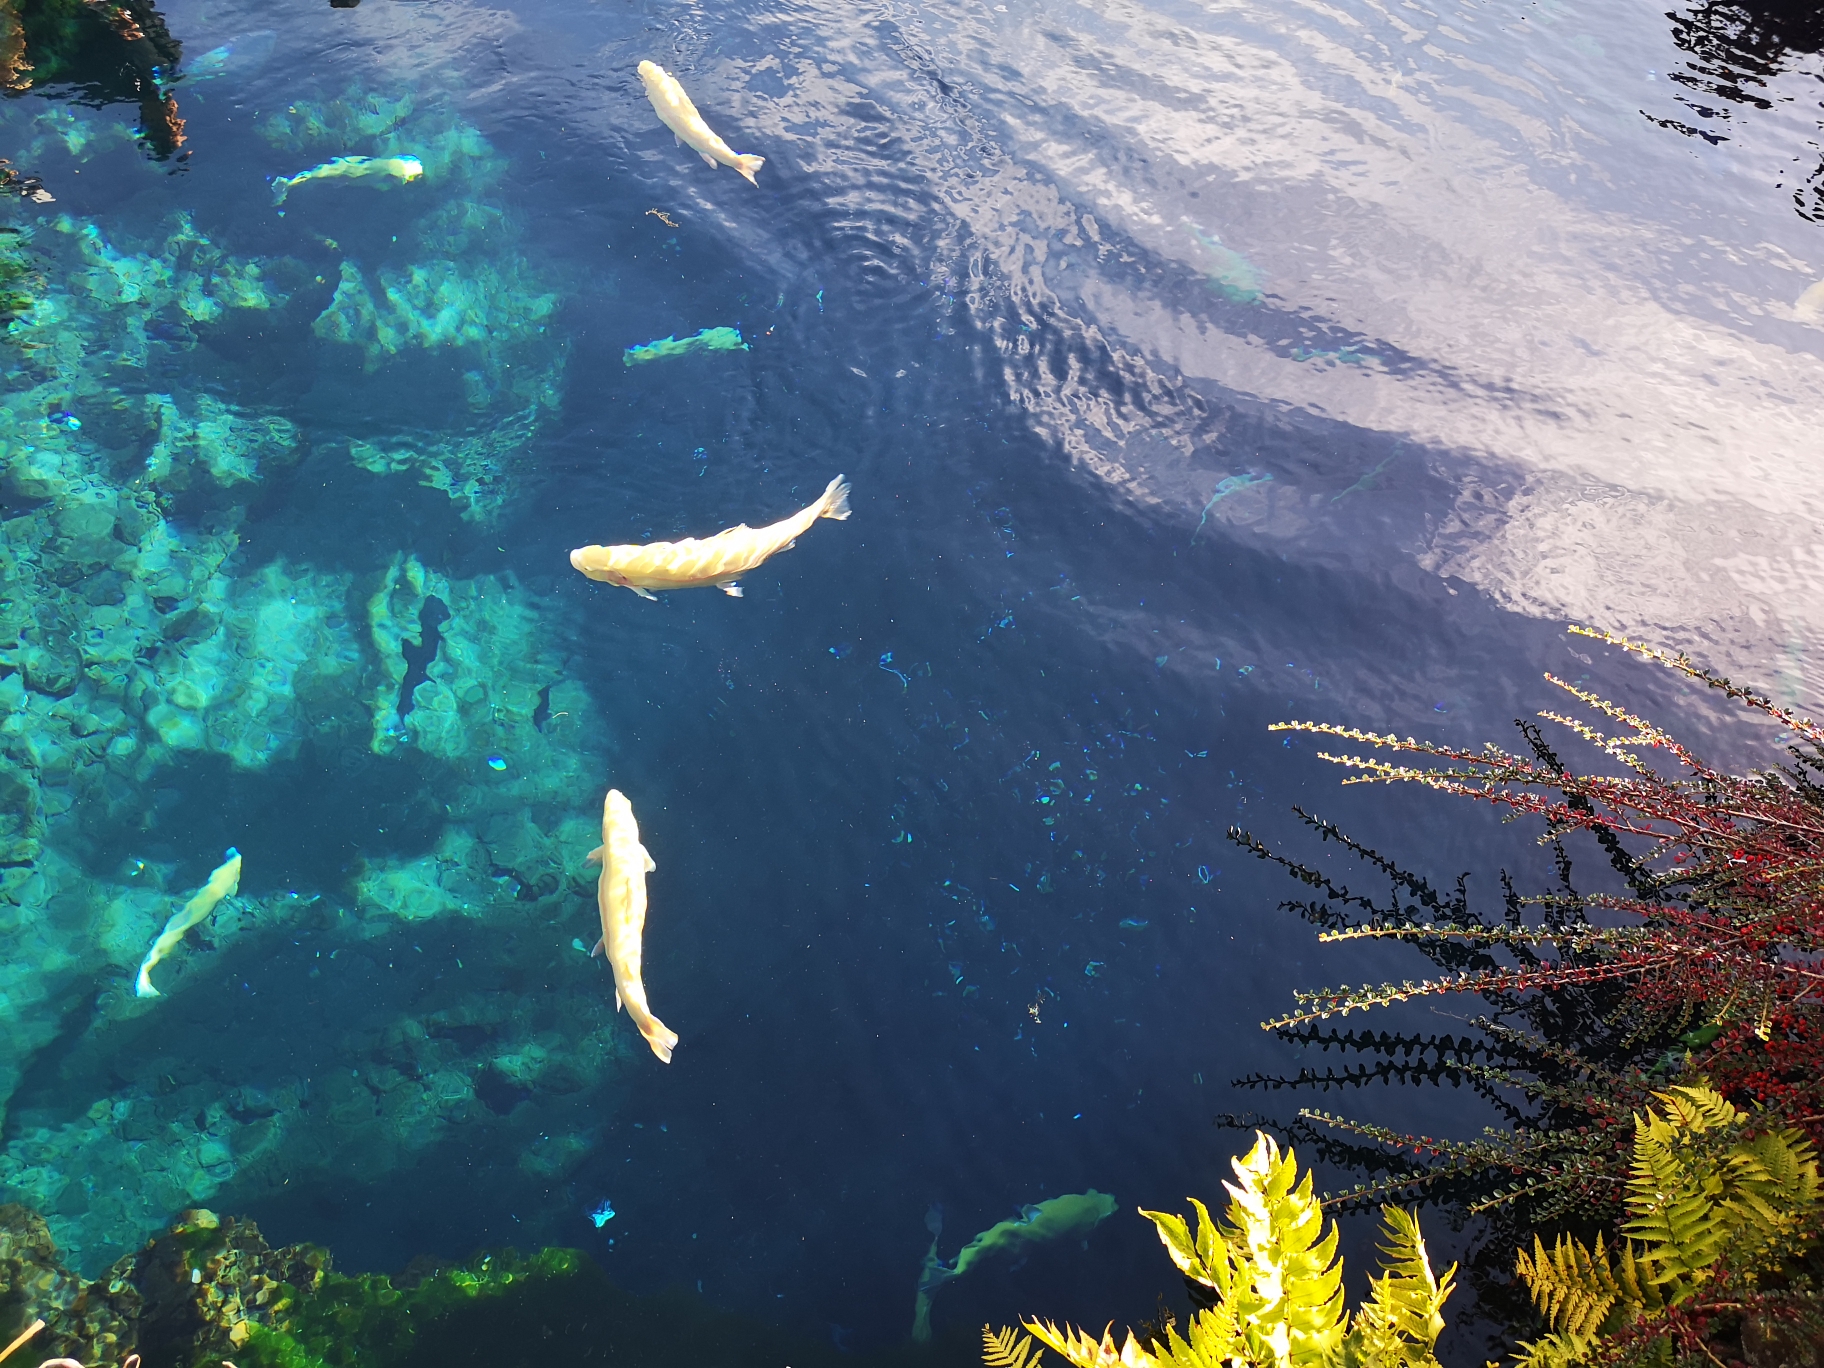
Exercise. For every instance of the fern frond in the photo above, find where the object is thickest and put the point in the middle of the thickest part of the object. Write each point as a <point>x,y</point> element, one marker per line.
<point>1574,1287</point>
<point>1399,1325</point>
<point>1554,1351</point>
<point>1009,1349</point>
<point>1083,1351</point>
<point>1695,1108</point>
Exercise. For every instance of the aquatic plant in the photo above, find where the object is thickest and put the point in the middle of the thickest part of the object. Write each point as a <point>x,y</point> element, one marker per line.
<point>16,272</point>
<point>1713,950</point>
<point>1273,1283</point>
<point>1721,1210</point>
<point>368,1317</point>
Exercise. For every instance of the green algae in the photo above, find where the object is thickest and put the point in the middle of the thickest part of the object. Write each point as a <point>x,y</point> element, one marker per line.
<point>367,1319</point>
<point>16,274</point>
<point>709,339</point>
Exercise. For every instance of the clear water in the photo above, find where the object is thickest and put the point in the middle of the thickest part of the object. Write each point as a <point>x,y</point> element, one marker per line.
<point>1195,367</point>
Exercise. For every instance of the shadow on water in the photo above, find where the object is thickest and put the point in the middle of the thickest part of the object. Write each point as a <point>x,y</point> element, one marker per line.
<point>98,55</point>
<point>1736,49</point>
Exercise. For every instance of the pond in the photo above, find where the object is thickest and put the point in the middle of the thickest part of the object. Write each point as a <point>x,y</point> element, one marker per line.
<point>1193,367</point>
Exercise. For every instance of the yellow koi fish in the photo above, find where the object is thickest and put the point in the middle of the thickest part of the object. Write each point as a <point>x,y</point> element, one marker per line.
<point>678,114</point>
<point>222,884</point>
<point>620,894</point>
<point>403,169</point>
<point>719,560</point>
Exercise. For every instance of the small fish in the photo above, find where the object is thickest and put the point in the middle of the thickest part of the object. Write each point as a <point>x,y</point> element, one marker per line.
<point>403,169</point>
<point>678,114</point>
<point>620,895</point>
<point>1233,484</point>
<point>719,560</point>
<point>222,883</point>
<point>1810,305</point>
<point>704,339</point>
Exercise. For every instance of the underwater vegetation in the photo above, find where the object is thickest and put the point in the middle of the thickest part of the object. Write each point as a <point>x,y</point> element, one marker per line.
<point>16,274</point>
<point>1704,969</point>
<point>706,339</point>
<point>1268,1287</point>
<point>149,656</point>
<point>210,1289</point>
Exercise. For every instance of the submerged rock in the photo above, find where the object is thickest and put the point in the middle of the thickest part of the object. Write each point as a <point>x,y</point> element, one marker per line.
<point>210,1288</point>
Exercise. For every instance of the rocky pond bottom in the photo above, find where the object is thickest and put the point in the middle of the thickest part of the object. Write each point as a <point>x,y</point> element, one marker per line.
<point>210,1290</point>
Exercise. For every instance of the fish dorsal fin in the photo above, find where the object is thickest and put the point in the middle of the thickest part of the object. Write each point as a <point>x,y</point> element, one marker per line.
<point>647,856</point>
<point>617,999</point>
<point>601,945</point>
<point>594,856</point>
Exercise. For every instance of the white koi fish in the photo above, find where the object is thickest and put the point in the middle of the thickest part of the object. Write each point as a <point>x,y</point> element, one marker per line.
<point>719,560</point>
<point>620,894</point>
<point>222,884</point>
<point>678,114</point>
<point>403,169</point>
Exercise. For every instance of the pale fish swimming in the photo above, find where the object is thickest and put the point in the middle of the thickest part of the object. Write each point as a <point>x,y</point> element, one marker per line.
<point>1232,276</point>
<point>1073,1215</point>
<point>1810,305</point>
<point>222,884</point>
<point>1232,484</point>
<point>678,114</point>
<point>402,169</point>
<point>704,339</point>
<point>620,895</point>
<point>719,560</point>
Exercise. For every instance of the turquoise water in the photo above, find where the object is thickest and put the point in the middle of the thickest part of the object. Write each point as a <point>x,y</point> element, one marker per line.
<point>1194,368</point>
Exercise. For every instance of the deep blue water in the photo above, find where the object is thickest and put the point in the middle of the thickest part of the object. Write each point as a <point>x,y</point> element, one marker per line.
<point>944,909</point>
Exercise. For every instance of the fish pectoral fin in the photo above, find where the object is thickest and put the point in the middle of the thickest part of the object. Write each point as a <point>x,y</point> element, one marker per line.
<point>595,856</point>
<point>676,141</point>
<point>646,855</point>
<point>600,945</point>
<point>708,160</point>
<point>732,589</point>
<point>617,1000</point>
<point>646,594</point>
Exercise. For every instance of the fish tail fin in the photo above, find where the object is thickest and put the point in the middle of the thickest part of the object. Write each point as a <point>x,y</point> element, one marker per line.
<point>661,1037</point>
<point>747,163</point>
<point>836,499</point>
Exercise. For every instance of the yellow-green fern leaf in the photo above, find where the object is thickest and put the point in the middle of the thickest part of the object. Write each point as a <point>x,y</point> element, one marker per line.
<point>1555,1351</point>
<point>1009,1349</point>
<point>1697,1108</point>
<point>1403,1318</point>
<point>1202,1257</point>
<point>1083,1351</point>
<point>1213,1342</point>
<point>1573,1286</point>
<point>1675,1191</point>
<point>1287,1296</point>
